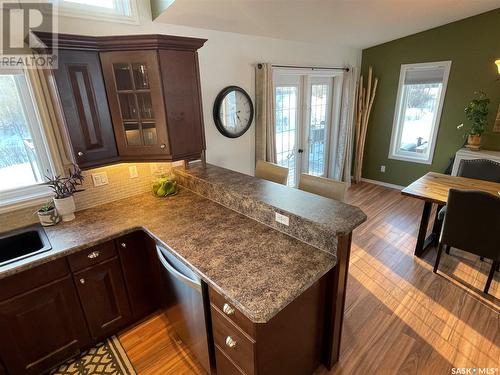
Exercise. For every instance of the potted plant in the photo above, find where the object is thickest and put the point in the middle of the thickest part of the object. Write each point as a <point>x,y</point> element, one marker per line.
<point>477,113</point>
<point>47,214</point>
<point>64,188</point>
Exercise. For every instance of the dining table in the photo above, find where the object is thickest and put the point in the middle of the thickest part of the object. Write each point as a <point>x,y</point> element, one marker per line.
<point>433,189</point>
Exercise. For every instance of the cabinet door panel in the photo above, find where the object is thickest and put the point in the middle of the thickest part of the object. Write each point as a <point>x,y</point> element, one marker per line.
<point>141,272</point>
<point>133,84</point>
<point>103,297</point>
<point>181,90</point>
<point>81,90</point>
<point>41,328</point>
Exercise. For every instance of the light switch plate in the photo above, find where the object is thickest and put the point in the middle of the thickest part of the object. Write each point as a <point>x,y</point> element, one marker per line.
<point>132,171</point>
<point>100,179</point>
<point>282,219</point>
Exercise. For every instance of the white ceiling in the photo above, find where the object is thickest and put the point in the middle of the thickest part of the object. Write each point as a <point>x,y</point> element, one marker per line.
<point>356,23</point>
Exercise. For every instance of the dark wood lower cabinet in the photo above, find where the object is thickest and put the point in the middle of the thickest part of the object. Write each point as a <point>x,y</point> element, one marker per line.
<point>41,328</point>
<point>104,299</point>
<point>141,272</point>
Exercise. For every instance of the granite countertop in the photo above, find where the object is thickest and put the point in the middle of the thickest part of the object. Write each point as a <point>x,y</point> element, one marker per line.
<point>257,268</point>
<point>336,217</point>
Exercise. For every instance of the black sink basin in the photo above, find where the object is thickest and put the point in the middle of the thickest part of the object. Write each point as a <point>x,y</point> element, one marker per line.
<point>23,243</point>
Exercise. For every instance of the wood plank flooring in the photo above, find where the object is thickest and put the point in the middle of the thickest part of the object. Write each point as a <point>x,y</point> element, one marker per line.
<point>400,317</point>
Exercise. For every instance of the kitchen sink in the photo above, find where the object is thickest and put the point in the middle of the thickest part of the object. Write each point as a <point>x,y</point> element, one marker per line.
<point>23,243</point>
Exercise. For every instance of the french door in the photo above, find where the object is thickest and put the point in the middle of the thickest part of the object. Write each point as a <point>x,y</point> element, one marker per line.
<point>303,119</point>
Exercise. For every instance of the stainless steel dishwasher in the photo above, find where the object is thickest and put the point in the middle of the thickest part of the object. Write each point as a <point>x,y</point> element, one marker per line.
<point>183,299</point>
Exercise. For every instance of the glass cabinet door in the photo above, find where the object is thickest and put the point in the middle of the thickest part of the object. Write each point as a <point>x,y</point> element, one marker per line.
<point>135,95</point>
<point>136,107</point>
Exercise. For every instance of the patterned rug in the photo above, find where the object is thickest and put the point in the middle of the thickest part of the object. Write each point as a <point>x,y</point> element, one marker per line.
<point>106,358</point>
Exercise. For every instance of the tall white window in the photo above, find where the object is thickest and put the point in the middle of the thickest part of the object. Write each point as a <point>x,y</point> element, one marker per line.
<point>421,93</point>
<point>24,156</point>
<point>304,115</point>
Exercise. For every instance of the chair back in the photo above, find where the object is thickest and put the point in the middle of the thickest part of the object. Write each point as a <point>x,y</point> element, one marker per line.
<point>480,169</point>
<point>271,172</point>
<point>472,222</point>
<point>323,186</point>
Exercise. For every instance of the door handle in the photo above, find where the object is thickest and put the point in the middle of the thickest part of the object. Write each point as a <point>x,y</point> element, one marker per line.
<point>300,151</point>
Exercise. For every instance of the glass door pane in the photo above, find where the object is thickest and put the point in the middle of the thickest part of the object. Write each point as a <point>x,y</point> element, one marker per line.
<point>132,133</point>
<point>317,130</point>
<point>123,79</point>
<point>286,129</point>
<point>141,78</point>
<point>128,106</point>
<point>145,106</point>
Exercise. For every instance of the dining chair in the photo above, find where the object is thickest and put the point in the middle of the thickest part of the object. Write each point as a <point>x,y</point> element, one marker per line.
<point>323,186</point>
<point>480,169</point>
<point>471,223</point>
<point>271,172</point>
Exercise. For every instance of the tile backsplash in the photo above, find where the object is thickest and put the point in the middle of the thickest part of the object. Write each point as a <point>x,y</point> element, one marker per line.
<point>119,186</point>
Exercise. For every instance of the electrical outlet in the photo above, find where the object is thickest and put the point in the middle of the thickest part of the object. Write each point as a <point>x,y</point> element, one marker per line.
<point>132,171</point>
<point>382,168</point>
<point>100,179</point>
<point>282,219</point>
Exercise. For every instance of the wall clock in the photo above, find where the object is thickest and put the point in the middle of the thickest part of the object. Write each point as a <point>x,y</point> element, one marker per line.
<point>233,111</point>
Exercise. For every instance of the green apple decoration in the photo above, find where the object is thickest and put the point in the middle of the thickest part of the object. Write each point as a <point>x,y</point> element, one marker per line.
<point>164,187</point>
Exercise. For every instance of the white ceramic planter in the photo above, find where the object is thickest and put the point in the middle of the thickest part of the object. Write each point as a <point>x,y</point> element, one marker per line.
<point>65,208</point>
<point>48,218</point>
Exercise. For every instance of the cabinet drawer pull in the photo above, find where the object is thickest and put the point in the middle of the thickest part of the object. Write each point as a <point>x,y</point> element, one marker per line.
<point>230,342</point>
<point>93,255</point>
<point>163,146</point>
<point>82,281</point>
<point>228,310</point>
<point>80,153</point>
<point>123,244</point>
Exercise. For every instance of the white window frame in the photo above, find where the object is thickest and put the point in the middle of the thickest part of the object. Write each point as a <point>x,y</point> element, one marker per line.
<point>397,124</point>
<point>25,196</point>
<point>76,10</point>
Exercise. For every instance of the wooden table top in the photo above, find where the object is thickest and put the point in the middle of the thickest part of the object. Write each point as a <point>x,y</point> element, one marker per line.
<point>434,187</point>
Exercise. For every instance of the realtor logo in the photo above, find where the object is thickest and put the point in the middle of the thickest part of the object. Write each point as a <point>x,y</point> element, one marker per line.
<point>20,46</point>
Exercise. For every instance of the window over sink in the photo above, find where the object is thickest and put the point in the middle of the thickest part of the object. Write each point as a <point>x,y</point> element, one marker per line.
<point>419,102</point>
<point>24,154</point>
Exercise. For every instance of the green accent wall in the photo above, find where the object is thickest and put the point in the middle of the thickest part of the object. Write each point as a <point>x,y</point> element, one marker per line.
<point>473,45</point>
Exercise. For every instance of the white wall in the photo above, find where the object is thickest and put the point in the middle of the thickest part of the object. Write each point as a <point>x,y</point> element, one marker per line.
<point>226,59</point>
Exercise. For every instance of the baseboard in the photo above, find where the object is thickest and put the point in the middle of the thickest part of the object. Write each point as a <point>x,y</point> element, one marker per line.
<point>381,183</point>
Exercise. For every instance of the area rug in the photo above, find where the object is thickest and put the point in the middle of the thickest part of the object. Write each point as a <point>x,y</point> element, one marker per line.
<point>106,358</point>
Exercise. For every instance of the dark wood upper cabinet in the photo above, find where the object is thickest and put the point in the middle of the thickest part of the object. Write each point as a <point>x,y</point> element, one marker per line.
<point>152,88</point>
<point>182,95</point>
<point>82,94</point>
<point>41,327</point>
<point>103,298</point>
<point>133,83</point>
<point>141,272</point>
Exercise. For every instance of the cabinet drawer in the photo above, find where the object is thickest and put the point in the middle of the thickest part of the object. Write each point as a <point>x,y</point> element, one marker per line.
<point>93,255</point>
<point>227,334</point>
<point>232,313</point>
<point>224,365</point>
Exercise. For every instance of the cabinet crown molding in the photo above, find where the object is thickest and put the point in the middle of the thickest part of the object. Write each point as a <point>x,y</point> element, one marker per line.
<point>122,42</point>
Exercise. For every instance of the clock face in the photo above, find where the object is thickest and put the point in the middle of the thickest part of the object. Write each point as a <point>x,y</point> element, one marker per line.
<point>233,112</point>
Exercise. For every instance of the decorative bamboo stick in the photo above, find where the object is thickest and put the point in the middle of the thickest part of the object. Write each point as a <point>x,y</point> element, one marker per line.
<point>364,104</point>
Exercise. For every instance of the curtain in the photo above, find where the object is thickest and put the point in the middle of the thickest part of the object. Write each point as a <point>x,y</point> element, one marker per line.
<point>265,130</point>
<point>344,139</point>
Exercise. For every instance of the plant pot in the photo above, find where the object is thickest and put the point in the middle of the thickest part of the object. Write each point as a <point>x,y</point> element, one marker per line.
<point>65,207</point>
<point>48,218</point>
<point>473,142</point>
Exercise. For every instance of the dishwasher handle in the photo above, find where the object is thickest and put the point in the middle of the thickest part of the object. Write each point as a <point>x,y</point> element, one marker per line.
<point>179,276</point>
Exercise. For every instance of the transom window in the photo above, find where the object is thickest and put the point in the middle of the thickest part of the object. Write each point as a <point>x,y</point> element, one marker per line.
<point>421,92</point>
<point>116,10</point>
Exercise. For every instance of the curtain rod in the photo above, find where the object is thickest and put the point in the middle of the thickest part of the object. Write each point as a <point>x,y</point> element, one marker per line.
<point>307,67</point>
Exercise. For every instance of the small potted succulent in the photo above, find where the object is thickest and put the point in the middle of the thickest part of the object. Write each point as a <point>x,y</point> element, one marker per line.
<point>477,113</point>
<point>47,214</point>
<point>64,188</point>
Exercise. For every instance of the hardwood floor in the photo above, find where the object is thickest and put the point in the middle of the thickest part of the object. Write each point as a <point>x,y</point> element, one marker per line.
<point>400,317</point>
